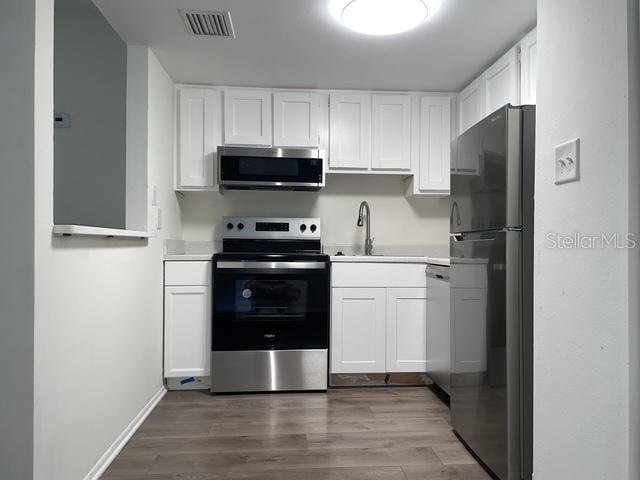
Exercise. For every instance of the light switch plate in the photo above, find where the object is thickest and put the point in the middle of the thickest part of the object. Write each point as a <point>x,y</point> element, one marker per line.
<point>568,162</point>
<point>154,195</point>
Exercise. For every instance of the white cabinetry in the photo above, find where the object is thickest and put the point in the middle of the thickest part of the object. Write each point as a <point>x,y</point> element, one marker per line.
<point>199,134</point>
<point>378,318</point>
<point>247,117</point>
<point>391,132</point>
<point>360,132</point>
<point>406,330</point>
<point>358,330</point>
<point>295,119</point>
<point>501,82</point>
<point>187,319</point>
<point>471,105</point>
<point>528,68</point>
<point>511,79</point>
<point>431,147</point>
<point>350,131</point>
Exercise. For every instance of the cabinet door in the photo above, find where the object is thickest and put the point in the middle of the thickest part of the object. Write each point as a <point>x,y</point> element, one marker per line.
<point>199,136</point>
<point>391,132</point>
<point>247,117</point>
<point>406,330</point>
<point>295,119</point>
<point>469,327</point>
<point>435,143</point>
<point>358,330</point>
<point>187,331</point>
<point>471,104</point>
<point>528,67</point>
<point>501,82</point>
<point>350,131</point>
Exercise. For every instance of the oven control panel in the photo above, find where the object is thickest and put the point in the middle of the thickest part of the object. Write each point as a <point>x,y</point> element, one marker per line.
<point>270,227</point>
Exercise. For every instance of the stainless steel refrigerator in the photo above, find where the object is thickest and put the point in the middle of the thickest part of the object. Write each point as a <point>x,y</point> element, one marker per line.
<point>491,243</point>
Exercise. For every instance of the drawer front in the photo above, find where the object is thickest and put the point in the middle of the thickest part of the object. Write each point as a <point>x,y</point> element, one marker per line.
<point>378,275</point>
<point>187,273</point>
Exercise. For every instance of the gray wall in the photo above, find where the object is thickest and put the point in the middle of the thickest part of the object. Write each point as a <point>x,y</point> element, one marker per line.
<point>90,85</point>
<point>17,38</point>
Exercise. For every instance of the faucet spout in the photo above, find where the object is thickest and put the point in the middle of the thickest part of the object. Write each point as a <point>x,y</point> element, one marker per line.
<point>363,212</point>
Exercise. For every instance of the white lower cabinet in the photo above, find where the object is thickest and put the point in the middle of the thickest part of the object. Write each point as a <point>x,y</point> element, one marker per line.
<point>358,330</point>
<point>187,319</point>
<point>406,330</point>
<point>187,331</point>
<point>378,318</point>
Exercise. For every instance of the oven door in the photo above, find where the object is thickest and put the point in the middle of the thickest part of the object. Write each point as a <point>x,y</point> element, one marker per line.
<point>270,305</point>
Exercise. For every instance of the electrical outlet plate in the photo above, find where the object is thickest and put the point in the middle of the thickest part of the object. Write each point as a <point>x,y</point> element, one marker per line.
<point>567,161</point>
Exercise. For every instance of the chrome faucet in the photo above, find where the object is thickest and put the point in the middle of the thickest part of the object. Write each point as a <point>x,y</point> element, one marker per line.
<point>368,242</point>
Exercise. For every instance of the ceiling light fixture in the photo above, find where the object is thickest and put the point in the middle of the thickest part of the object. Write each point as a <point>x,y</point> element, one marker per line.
<point>382,17</point>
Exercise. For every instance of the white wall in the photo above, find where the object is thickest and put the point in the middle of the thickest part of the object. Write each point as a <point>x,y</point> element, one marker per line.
<point>396,220</point>
<point>583,316</point>
<point>90,86</point>
<point>98,338</point>
<point>633,23</point>
<point>17,25</point>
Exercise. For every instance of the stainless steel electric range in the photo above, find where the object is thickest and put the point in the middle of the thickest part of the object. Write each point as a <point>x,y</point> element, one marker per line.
<point>270,328</point>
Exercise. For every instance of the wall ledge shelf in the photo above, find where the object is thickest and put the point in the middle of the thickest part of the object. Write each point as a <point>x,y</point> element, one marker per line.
<point>87,231</point>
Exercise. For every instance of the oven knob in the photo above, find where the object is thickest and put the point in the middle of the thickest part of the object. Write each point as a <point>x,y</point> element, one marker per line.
<point>303,227</point>
<point>240,226</point>
<point>229,226</point>
<point>313,228</point>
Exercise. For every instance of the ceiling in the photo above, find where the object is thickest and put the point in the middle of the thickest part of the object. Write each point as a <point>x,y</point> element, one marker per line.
<point>296,43</point>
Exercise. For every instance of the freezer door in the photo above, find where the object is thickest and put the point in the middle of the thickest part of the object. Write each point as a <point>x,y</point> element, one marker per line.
<point>485,377</point>
<point>486,176</point>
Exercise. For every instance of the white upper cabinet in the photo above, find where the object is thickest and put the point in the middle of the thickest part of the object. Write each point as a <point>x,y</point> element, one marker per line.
<point>295,119</point>
<point>247,117</point>
<point>471,105</point>
<point>406,330</point>
<point>350,131</point>
<point>501,82</point>
<point>528,63</point>
<point>509,80</point>
<point>435,144</point>
<point>199,134</point>
<point>391,132</point>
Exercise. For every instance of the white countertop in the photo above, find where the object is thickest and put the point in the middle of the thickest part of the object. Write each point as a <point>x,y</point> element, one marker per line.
<point>389,259</point>
<point>188,257</point>
<point>196,251</point>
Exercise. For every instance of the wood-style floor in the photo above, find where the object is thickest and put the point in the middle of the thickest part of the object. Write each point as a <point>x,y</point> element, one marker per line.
<point>346,434</point>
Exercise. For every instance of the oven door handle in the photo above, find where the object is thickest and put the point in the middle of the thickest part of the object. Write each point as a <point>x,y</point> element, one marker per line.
<point>258,265</point>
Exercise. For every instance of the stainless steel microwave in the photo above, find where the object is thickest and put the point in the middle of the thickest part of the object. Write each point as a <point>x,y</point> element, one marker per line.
<point>251,168</point>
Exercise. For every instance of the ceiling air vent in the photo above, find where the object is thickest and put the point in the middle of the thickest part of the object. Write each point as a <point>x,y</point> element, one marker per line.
<point>208,24</point>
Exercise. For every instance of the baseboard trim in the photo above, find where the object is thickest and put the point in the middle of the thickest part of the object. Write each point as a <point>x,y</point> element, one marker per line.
<point>114,449</point>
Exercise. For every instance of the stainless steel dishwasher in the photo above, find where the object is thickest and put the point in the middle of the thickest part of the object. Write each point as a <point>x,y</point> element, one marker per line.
<point>438,326</point>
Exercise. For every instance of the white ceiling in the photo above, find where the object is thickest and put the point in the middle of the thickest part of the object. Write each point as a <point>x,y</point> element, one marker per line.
<point>296,43</point>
